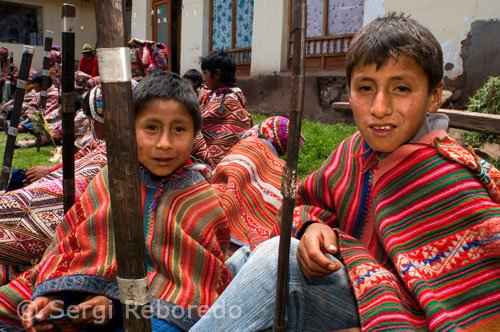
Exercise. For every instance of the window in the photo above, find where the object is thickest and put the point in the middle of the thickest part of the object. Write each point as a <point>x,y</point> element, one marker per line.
<point>231,30</point>
<point>331,24</point>
<point>20,24</point>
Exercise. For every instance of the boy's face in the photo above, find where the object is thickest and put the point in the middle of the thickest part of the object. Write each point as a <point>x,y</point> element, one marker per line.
<point>214,81</point>
<point>390,105</point>
<point>165,136</point>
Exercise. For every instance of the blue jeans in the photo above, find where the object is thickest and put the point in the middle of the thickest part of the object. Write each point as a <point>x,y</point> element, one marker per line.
<point>248,302</point>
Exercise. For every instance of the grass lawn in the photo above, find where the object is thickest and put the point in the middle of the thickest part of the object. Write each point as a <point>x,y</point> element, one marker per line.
<point>25,157</point>
<point>321,140</point>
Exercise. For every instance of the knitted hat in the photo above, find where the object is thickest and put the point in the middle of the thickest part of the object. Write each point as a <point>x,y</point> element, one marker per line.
<point>275,130</point>
<point>55,57</point>
<point>4,51</point>
<point>87,48</point>
<point>96,104</point>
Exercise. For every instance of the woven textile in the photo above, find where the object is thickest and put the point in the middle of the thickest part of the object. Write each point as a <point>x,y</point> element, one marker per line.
<point>186,239</point>
<point>29,216</point>
<point>248,180</point>
<point>419,234</point>
<point>223,126</point>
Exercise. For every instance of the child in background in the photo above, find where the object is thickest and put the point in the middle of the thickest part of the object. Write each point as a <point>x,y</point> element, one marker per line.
<point>223,109</point>
<point>193,77</point>
<point>412,216</point>
<point>186,232</point>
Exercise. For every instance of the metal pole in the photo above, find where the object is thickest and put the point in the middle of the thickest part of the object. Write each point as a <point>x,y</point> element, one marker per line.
<point>22,80</point>
<point>289,184</point>
<point>115,72</point>
<point>49,35</point>
<point>68,104</point>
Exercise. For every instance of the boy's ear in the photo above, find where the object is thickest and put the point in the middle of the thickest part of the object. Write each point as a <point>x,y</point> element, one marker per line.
<point>436,99</point>
<point>217,74</point>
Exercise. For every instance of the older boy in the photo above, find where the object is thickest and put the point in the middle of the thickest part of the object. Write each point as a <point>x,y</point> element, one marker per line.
<point>416,233</point>
<point>223,109</point>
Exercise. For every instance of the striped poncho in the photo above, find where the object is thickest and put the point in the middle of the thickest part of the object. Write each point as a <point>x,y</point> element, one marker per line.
<point>418,233</point>
<point>186,237</point>
<point>224,120</point>
<point>248,181</point>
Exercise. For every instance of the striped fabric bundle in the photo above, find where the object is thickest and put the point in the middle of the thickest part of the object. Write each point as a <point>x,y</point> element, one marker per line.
<point>29,216</point>
<point>225,120</point>
<point>248,181</point>
<point>186,239</point>
<point>419,234</point>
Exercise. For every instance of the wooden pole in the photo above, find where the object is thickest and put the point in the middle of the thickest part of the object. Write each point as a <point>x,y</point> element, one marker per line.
<point>22,79</point>
<point>115,72</point>
<point>68,104</point>
<point>289,184</point>
<point>49,35</point>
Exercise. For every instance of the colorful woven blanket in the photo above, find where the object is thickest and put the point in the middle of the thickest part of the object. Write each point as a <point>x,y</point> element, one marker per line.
<point>248,180</point>
<point>29,216</point>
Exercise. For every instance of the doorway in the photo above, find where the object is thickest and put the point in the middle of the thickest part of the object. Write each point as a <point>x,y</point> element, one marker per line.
<point>167,29</point>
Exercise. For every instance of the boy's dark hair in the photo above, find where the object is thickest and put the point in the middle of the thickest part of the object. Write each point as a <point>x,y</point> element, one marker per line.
<point>165,85</point>
<point>37,78</point>
<point>392,36</point>
<point>194,75</point>
<point>220,60</point>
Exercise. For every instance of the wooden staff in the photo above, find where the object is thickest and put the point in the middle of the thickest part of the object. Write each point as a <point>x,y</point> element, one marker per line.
<point>289,184</point>
<point>49,35</point>
<point>68,104</point>
<point>22,80</point>
<point>113,57</point>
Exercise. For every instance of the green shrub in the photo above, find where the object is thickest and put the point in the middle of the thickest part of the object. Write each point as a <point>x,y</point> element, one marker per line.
<point>485,100</point>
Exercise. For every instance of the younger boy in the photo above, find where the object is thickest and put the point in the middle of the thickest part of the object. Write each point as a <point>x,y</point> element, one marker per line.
<point>223,109</point>
<point>186,232</point>
<point>193,77</point>
<point>413,217</point>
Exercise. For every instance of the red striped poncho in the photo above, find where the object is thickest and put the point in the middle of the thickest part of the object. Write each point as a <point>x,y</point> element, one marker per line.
<point>224,120</point>
<point>186,238</point>
<point>418,233</point>
<point>248,181</point>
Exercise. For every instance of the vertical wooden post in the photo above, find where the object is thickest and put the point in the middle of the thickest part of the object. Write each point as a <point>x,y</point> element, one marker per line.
<point>68,104</point>
<point>22,80</point>
<point>289,184</point>
<point>49,35</point>
<point>124,184</point>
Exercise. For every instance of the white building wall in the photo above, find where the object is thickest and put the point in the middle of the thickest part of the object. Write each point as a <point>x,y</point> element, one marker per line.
<point>270,35</point>
<point>194,33</point>
<point>449,20</point>
<point>141,19</point>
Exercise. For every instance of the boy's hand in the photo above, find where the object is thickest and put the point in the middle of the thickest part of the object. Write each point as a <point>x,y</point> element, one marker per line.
<point>95,309</point>
<point>317,240</point>
<point>36,173</point>
<point>40,309</point>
